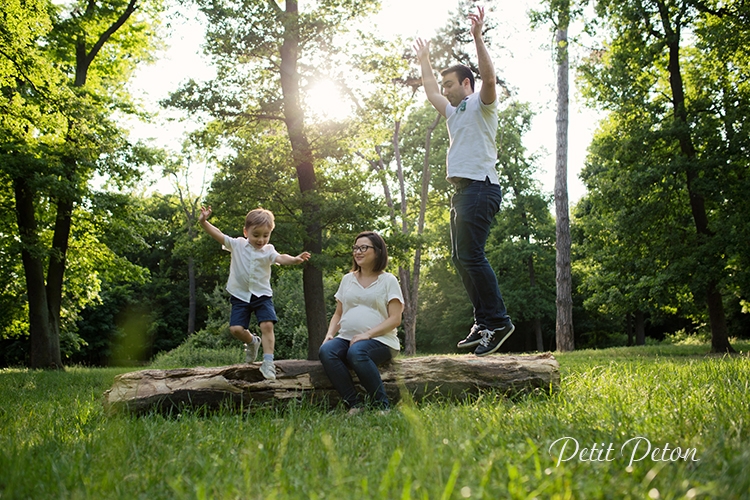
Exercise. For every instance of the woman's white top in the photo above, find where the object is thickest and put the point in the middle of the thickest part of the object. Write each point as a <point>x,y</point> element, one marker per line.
<point>364,308</point>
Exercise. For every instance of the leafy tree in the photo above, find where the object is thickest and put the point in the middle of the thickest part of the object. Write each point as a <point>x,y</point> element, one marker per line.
<point>61,79</point>
<point>666,167</point>
<point>179,169</point>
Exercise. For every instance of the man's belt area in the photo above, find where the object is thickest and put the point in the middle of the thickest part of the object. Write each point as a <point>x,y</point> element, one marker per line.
<point>462,183</point>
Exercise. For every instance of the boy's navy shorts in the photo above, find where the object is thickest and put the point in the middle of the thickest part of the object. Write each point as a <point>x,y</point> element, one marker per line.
<point>261,306</point>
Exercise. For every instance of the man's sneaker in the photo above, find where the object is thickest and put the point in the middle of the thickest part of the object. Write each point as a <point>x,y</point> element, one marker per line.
<point>493,339</point>
<point>251,350</point>
<point>268,369</point>
<point>473,338</point>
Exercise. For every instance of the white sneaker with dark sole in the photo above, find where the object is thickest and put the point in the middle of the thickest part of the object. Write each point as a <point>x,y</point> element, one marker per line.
<point>251,350</point>
<point>268,369</point>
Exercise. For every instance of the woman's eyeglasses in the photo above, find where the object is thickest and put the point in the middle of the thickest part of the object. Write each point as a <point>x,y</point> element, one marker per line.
<point>361,249</point>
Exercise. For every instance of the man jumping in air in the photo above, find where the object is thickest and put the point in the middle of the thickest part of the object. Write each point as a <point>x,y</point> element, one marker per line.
<point>472,125</point>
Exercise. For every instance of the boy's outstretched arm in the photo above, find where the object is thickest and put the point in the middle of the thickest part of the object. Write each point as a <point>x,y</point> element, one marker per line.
<point>208,227</point>
<point>287,260</point>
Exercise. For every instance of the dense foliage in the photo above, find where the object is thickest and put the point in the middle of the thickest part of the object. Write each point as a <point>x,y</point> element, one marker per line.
<point>659,241</point>
<point>663,228</point>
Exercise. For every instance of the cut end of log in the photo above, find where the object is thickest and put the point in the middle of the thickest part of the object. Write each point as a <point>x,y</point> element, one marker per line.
<point>242,386</point>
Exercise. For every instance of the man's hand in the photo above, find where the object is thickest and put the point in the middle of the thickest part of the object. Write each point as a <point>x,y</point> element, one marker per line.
<point>477,23</point>
<point>205,213</point>
<point>422,48</point>
<point>488,93</point>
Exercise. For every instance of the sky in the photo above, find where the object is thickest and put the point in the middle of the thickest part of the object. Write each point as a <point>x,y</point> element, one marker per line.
<point>522,57</point>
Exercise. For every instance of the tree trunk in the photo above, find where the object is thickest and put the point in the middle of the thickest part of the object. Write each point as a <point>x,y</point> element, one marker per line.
<point>629,328</point>
<point>719,338</point>
<point>564,323</point>
<point>409,318</point>
<point>302,157</point>
<point>537,321</point>
<point>640,328</point>
<point>410,315</point>
<point>441,377</point>
<point>40,331</point>
<point>537,325</point>
<point>192,299</point>
<point>56,269</point>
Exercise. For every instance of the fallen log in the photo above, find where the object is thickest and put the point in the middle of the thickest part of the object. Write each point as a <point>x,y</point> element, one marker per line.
<point>242,386</point>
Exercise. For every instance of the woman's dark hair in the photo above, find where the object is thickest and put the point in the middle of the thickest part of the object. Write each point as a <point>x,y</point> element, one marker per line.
<point>379,247</point>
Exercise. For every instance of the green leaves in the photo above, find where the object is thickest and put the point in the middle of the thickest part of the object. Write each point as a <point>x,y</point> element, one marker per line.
<point>662,175</point>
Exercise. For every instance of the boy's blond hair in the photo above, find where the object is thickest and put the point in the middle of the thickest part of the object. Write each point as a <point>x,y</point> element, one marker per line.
<point>260,217</point>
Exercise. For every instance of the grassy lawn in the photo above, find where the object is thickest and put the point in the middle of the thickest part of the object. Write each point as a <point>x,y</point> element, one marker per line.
<point>662,421</point>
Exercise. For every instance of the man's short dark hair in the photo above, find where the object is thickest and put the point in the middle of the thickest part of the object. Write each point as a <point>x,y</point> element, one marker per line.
<point>462,72</point>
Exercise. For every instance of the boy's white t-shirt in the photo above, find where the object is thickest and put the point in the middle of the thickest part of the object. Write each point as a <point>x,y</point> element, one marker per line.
<point>364,308</point>
<point>250,268</point>
<point>472,127</point>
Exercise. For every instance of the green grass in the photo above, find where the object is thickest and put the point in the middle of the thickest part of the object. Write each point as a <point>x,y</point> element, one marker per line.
<point>57,442</point>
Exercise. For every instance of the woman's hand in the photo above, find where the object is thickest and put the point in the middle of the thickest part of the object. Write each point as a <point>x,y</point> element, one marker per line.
<point>358,337</point>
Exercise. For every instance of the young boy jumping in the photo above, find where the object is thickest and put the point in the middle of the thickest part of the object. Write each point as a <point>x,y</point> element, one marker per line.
<point>249,282</point>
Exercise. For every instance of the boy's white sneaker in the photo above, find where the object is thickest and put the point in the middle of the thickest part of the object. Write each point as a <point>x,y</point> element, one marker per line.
<point>251,350</point>
<point>268,369</point>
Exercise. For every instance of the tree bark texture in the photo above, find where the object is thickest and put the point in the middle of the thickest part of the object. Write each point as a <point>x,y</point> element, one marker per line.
<point>302,157</point>
<point>564,323</point>
<point>240,386</point>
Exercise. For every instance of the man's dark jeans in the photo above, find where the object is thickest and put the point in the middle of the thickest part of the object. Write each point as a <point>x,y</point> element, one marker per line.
<point>473,209</point>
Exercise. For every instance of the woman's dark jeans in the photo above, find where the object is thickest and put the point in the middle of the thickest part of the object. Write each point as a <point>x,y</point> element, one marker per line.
<point>337,356</point>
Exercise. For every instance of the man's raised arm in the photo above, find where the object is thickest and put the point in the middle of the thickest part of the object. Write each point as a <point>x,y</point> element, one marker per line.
<point>431,87</point>
<point>488,93</point>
